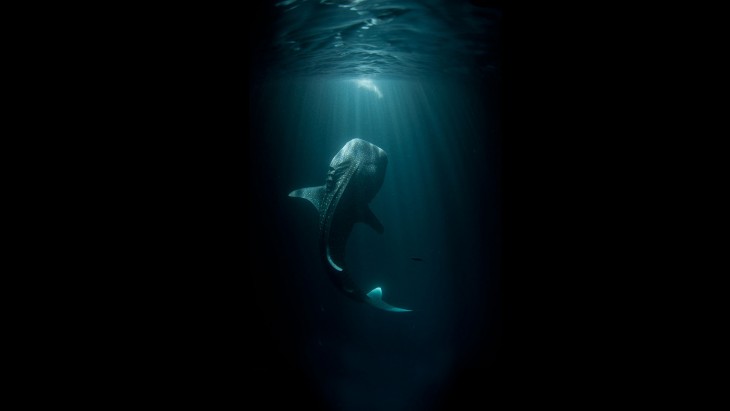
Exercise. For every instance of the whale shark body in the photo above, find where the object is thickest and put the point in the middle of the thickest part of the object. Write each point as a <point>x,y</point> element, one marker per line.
<point>355,176</point>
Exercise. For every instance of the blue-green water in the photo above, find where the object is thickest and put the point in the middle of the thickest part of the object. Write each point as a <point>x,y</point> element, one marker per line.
<point>421,81</point>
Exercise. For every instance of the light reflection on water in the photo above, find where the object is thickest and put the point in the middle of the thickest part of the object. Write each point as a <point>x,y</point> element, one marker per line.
<point>393,38</point>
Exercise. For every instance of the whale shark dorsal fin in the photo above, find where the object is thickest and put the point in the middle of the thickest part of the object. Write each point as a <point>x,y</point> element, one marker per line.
<point>313,194</point>
<point>367,217</point>
<point>375,298</point>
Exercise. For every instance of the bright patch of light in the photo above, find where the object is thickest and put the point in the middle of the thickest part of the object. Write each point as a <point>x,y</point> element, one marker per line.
<point>376,293</point>
<point>368,84</point>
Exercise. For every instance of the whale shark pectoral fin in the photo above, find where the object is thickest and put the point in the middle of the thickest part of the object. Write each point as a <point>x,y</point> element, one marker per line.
<point>313,194</point>
<point>375,298</point>
<point>367,217</point>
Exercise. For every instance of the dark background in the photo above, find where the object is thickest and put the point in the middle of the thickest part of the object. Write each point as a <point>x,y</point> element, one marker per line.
<point>200,326</point>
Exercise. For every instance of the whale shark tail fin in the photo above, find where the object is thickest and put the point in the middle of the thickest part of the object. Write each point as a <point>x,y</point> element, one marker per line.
<point>313,194</point>
<point>375,298</point>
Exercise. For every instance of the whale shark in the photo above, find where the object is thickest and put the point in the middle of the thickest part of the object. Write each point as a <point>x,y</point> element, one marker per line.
<point>354,177</point>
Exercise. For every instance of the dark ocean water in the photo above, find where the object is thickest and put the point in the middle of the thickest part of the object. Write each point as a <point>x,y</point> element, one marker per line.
<point>498,205</point>
<point>421,80</point>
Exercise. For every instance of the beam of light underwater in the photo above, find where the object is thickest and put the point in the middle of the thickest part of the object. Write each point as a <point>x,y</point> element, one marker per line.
<point>368,84</point>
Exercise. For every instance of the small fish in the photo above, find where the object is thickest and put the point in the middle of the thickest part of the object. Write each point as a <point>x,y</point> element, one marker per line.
<point>416,258</point>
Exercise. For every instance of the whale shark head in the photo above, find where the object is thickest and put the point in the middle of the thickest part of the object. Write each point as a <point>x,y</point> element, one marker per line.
<point>366,161</point>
